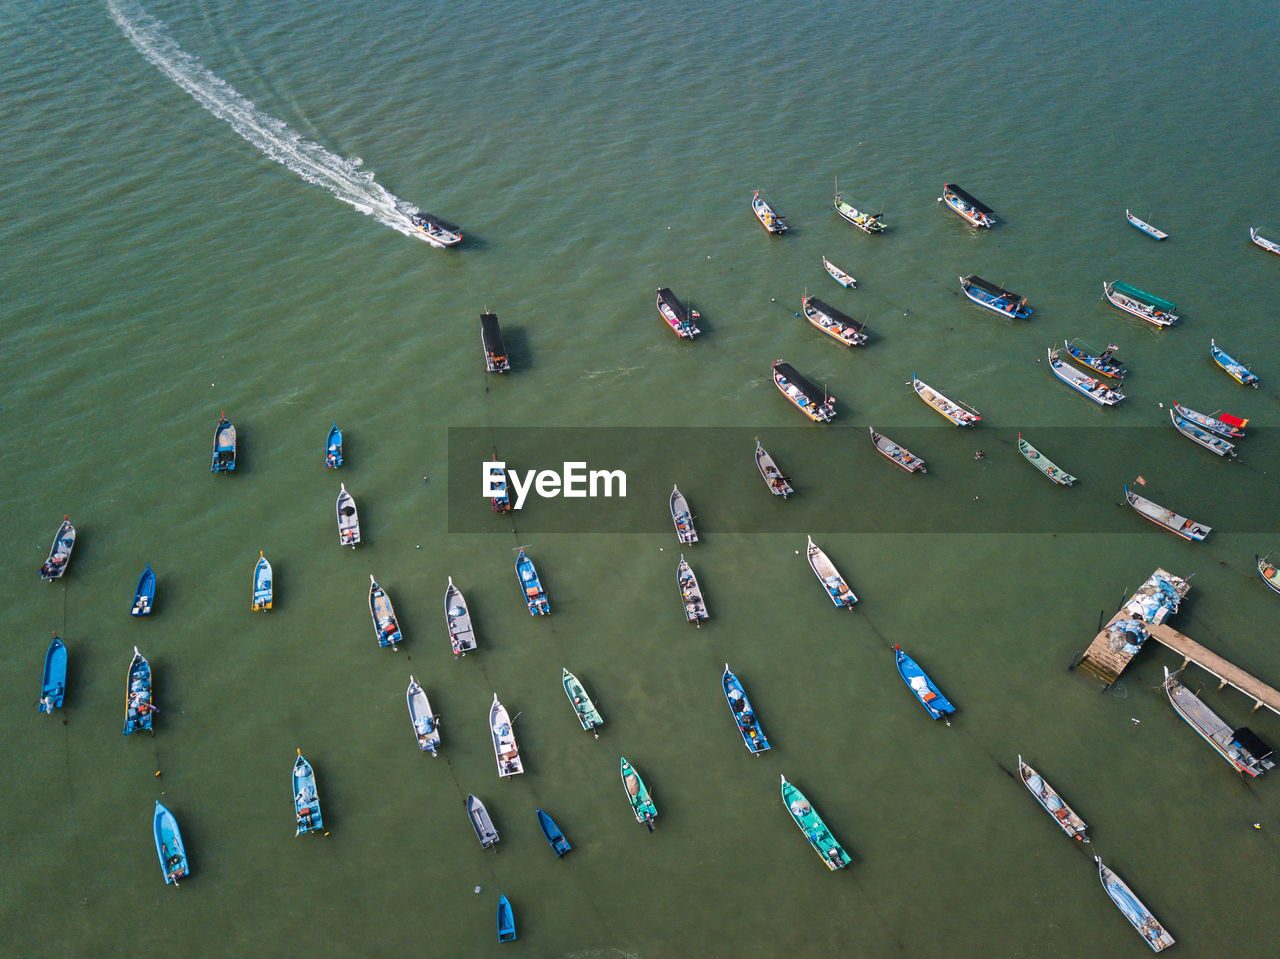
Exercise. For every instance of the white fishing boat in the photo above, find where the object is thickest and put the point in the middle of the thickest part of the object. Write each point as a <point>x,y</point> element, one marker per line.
<point>764,213</point>
<point>1139,916</point>
<point>958,413</point>
<point>841,328</point>
<point>1242,747</point>
<point>434,230</point>
<point>1053,804</point>
<point>779,485</point>
<point>426,724</point>
<point>681,518</point>
<point>1094,389</point>
<point>505,749</point>
<point>840,276</point>
<point>1176,523</point>
<point>1202,437</point>
<point>1144,226</point>
<point>1259,240</point>
<point>456,616</point>
<point>897,455</point>
<point>838,590</point>
<point>695,607</point>
<point>348,519</point>
<point>864,221</point>
<point>1140,303</point>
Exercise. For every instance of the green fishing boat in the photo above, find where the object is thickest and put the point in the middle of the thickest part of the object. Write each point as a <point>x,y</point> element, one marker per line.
<point>588,715</point>
<point>814,829</point>
<point>1044,464</point>
<point>638,795</point>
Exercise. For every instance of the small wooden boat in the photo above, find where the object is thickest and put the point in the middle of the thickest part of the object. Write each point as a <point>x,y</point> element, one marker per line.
<point>841,328</point>
<point>1202,437</point>
<point>138,709</point>
<point>866,222</point>
<point>1140,303</point>
<point>922,687</point>
<point>1268,571</point>
<point>994,297</point>
<point>583,707</point>
<point>306,801</point>
<point>695,607</point>
<point>555,838</point>
<point>1176,524</point>
<point>686,532</point>
<point>1242,747</point>
<point>638,795</point>
<point>958,413</point>
<point>261,584</point>
<point>1041,462</point>
<point>1144,226</point>
<point>803,395</point>
<point>535,597</point>
<point>495,351</point>
<point>778,484</point>
<point>505,749</point>
<point>437,232</point>
<point>837,589</point>
<point>740,707</point>
<point>333,448</point>
<point>224,446</point>
<point>53,686</point>
<point>498,482</point>
<point>506,921</point>
<point>1233,368</point>
<point>1224,424</point>
<point>144,596</point>
<point>385,625</point>
<point>1094,389</point>
<point>1053,804</point>
<point>681,319</point>
<point>348,519</point>
<point>457,617</point>
<point>840,276</point>
<point>173,857</point>
<point>1139,916</point>
<point>1259,240</point>
<point>967,207</point>
<point>813,827</point>
<point>426,724</point>
<point>480,822</point>
<point>895,454</point>
<point>64,542</point>
<point>1104,363</point>
<point>764,213</point>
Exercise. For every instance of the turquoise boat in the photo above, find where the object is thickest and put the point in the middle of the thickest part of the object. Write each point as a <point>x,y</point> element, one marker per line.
<point>137,697</point>
<point>1041,462</point>
<point>261,584</point>
<point>1233,368</point>
<point>54,686</point>
<point>638,795</point>
<point>306,802</point>
<point>333,448</point>
<point>173,857</point>
<point>585,709</point>
<point>535,597</point>
<point>736,696</point>
<point>506,921</point>
<point>814,829</point>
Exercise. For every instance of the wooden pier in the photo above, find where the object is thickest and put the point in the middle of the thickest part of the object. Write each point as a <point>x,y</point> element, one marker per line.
<point>1227,674</point>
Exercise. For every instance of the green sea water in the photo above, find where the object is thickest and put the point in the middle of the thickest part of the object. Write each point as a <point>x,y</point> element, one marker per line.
<point>161,264</point>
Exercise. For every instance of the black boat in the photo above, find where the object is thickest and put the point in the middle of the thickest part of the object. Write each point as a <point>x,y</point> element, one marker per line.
<point>495,351</point>
<point>680,318</point>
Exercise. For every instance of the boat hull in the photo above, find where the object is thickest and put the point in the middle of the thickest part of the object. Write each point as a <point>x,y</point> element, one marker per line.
<point>505,749</point>
<point>333,448</point>
<point>773,477</point>
<point>922,687</point>
<point>551,832</point>
<point>1052,803</point>
<point>386,628</point>
<point>262,592</point>
<point>642,805</point>
<point>1048,468</point>
<point>1269,573</point>
<point>506,921</point>
<point>1233,368</point>
<point>426,725</point>
<point>1139,916</point>
<point>457,618</point>
<point>306,801</point>
<point>588,715</point>
<point>813,827</point>
<point>64,541</point>
<point>1167,519</point>
<point>485,831</point>
<point>535,597</point>
<point>145,594</point>
<point>348,519</point>
<point>53,686</point>
<point>836,586</point>
<point>173,856</point>
<point>744,716</point>
<point>137,697</point>
<point>681,517</point>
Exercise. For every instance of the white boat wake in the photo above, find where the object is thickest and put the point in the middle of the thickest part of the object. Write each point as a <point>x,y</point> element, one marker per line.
<point>341,176</point>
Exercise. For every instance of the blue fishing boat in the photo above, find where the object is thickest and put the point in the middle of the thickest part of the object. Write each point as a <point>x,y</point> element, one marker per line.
<point>1139,916</point>
<point>967,207</point>
<point>559,845</point>
<point>145,594</point>
<point>306,801</point>
<point>498,483</point>
<point>752,735</point>
<point>535,596</point>
<point>1268,571</point>
<point>1233,368</point>
<point>506,921</point>
<point>333,448</point>
<point>173,857</point>
<point>54,686</point>
<point>1224,424</point>
<point>385,625</point>
<point>1139,224</point>
<point>1090,387</point>
<point>1104,362</point>
<point>64,542</point>
<point>261,584</point>
<point>922,686</point>
<point>224,446</point>
<point>1202,437</point>
<point>994,297</point>
<point>137,696</point>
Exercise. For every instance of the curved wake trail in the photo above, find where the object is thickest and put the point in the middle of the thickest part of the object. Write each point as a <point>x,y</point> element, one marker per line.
<point>341,176</point>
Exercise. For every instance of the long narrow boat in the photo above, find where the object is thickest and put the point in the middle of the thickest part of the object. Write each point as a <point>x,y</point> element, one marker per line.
<point>505,749</point>
<point>333,448</point>
<point>486,832</point>
<point>426,724</point>
<point>348,519</point>
<point>1224,424</point>
<point>501,503</point>
<point>922,687</point>
<point>224,446</point>
<point>995,297</point>
<point>173,856</point>
<point>681,518</point>
<point>1053,803</point>
<point>145,595</point>
<point>462,637</point>
<point>1140,303</point>
<point>681,319</point>
<point>642,805</point>
<point>695,607</point>
<point>840,276</point>
<point>1139,916</point>
<point>495,350</point>
<point>866,222</point>
<point>1140,224</point>
<point>815,830</point>
<point>1259,240</point>
<point>1044,464</point>
<point>764,213</point>
<point>588,716</point>
<point>837,589</point>
<point>779,485</point>
<point>262,592</point>
<point>506,921</point>
<point>1241,747</point>
<point>306,801</point>
<point>967,207</point>
<point>385,625</point>
<point>803,395</point>
<point>1202,437</point>
<point>1233,368</point>
<point>753,736</point>
<point>1094,389</point>
<point>841,328</point>
<point>1103,363</point>
<point>64,542</point>
<point>897,455</point>
<point>551,832</point>
<point>437,232</point>
<point>1167,518</point>
<point>535,597</point>
<point>53,685</point>
<point>137,695</point>
<point>958,413</point>
<point>1268,571</point>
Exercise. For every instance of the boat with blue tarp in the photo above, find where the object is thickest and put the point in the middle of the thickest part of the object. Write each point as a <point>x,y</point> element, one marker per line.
<point>333,448</point>
<point>994,297</point>
<point>385,625</point>
<point>535,597</point>
<point>1202,437</point>
<point>306,801</point>
<point>1066,818</point>
<point>753,736</point>
<point>922,687</point>
<point>1140,917</point>
<point>224,446</point>
<point>1232,367</point>
<point>137,695</point>
<point>262,591</point>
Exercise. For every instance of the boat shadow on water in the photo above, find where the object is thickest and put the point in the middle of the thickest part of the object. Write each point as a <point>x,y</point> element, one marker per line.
<point>519,353</point>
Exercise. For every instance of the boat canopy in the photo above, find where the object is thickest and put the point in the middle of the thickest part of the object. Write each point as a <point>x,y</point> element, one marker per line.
<point>1235,421</point>
<point>969,199</point>
<point>492,334</point>
<point>814,394</point>
<point>1132,291</point>
<point>993,288</point>
<point>1252,742</point>
<point>670,300</point>
<point>835,314</point>
<point>431,221</point>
